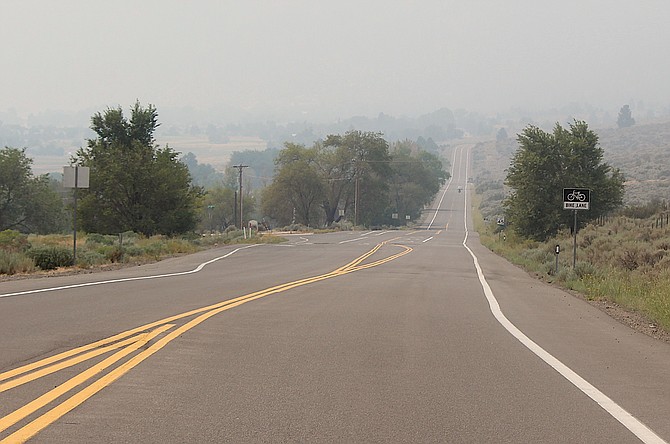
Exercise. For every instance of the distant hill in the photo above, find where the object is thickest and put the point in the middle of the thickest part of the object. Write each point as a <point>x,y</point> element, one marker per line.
<point>642,152</point>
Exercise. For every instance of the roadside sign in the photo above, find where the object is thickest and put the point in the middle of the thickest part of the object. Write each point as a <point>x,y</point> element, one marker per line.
<point>76,176</point>
<point>576,198</point>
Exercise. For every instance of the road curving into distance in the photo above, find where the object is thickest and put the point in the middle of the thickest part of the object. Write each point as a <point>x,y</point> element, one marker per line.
<point>379,336</point>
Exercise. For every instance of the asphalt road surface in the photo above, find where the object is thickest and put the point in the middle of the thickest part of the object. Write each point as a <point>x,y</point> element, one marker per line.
<point>384,336</point>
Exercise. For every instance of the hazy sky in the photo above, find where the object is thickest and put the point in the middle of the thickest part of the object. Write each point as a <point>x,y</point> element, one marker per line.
<point>329,59</point>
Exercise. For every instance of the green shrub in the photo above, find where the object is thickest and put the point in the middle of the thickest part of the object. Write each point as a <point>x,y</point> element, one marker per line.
<point>89,258</point>
<point>129,236</point>
<point>134,250</point>
<point>12,263</point>
<point>295,227</point>
<point>584,269</point>
<point>115,254</point>
<point>111,253</point>
<point>95,238</point>
<point>12,240</point>
<point>178,246</point>
<point>537,256</point>
<point>154,250</point>
<point>566,274</point>
<point>51,257</point>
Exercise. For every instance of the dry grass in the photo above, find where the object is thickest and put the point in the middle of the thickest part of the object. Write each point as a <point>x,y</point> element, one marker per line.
<point>624,261</point>
<point>94,250</point>
<point>215,154</point>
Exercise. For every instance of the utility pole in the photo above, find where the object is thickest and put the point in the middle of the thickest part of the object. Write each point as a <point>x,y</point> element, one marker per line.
<point>240,167</point>
<point>356,193</point>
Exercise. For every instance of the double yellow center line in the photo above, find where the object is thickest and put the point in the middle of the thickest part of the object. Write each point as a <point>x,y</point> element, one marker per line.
<point>127,343</point>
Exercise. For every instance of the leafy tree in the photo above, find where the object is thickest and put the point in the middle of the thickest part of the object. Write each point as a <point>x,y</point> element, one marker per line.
<point>427,145</point>
<point>134,185</point>
<point>202,174</point>
<point>297,189</point>
<point>416,177</point>
<point>543,165</point>
<point>217,209</point>
<point>625,118</point>
<point>27,203</point>
<point>501,135</point>
<point>357,157</point>
<point>325,177</point>
<point>261,165</point>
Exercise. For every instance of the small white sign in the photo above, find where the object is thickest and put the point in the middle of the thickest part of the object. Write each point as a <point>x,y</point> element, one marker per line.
<point>575,205</point>
<point>82,176</point>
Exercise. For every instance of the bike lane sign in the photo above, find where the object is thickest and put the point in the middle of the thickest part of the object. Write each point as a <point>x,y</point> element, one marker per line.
<point>576,198</point>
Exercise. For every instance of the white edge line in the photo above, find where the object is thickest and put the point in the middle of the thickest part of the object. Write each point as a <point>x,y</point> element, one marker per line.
<point>451,178</point>
<point>139,278</point>
<point>644,433</point>
<point>426,240</point>
<point>352,240</point>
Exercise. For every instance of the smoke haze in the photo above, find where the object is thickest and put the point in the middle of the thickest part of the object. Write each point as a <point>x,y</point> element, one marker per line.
<point>301,59</point>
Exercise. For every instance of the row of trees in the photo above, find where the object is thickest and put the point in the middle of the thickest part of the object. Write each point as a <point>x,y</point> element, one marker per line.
<point>136,185</point>
<point>357,175</point>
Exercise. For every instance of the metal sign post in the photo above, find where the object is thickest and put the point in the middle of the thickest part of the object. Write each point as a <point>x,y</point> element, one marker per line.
<point>75,177</point>
<point>576,199</point>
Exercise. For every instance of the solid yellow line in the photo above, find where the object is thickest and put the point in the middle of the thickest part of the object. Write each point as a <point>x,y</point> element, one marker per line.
<point>77,399</point>
<point>44,362</point>
<point>55,358</point>
<point>65,364</point>
<point>75,351</point>
<point>359,259</point>
<point>51,395</point>
<point>355,263</point>
<point>48,418</point>
<point>385,260</point>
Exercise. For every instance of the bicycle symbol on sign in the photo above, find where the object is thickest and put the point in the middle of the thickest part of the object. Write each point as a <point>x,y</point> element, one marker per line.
<point>576,195</point>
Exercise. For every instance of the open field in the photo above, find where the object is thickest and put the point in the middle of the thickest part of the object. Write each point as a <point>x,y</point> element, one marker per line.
<point>215,154</point>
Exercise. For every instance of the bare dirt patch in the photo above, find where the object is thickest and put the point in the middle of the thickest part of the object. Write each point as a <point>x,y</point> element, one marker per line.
<point>634,320</point>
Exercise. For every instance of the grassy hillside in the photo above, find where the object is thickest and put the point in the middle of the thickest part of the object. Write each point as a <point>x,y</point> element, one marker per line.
<point>642,152</point>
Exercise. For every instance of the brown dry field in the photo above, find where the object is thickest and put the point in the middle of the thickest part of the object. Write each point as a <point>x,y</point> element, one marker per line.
<point>215,154</point>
